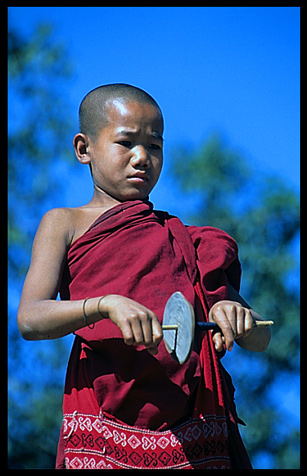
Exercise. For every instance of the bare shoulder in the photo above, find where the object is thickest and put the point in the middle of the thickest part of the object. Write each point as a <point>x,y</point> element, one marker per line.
<point>68,224</point>
<point>81,218</point>
<point>57,230</point>
<point>48,255</point>
<point>57,215</point>
<point>57,222</point>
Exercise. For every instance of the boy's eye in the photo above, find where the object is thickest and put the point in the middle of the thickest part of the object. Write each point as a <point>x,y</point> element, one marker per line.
<point>128,145</point>
<point>125,143</point>
<point>154,146</point>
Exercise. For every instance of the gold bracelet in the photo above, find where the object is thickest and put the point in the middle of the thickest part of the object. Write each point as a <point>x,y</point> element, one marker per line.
<point>84,315</point>
<point>98,310</point>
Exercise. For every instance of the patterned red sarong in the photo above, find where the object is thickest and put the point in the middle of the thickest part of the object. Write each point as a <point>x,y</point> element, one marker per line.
<point>100,443</point>
<point>124,408</point>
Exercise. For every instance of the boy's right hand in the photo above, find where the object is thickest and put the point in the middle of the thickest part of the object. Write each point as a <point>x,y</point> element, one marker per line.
<point>139,325</point>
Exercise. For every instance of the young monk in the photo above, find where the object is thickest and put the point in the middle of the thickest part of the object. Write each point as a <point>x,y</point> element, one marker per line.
<point>116,261</point>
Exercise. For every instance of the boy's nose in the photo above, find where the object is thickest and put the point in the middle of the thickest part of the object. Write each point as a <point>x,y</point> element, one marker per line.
<point>140,157</point>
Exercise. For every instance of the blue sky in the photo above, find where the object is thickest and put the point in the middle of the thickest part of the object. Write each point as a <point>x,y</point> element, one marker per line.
<point>234,70</point>
<point>229,69</point>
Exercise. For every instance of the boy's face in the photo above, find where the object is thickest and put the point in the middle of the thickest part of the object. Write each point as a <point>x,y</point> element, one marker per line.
<point>127,156</point>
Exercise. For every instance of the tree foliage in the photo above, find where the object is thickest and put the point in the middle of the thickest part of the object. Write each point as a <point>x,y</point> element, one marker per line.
<point>262,214</point>
<point>38,129</point>
<point>38,140</point>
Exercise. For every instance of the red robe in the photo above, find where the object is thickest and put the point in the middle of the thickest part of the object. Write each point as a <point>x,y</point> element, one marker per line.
<point>124,408</point>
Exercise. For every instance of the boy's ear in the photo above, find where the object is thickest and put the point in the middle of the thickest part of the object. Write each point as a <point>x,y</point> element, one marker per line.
<point>81,146</point>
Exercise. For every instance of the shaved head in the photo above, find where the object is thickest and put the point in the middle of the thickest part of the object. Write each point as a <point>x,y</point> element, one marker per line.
<point>93,112</point>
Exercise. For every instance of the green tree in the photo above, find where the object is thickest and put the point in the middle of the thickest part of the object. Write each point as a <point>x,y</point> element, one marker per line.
<point>39,129</point>
<point>262,214</point>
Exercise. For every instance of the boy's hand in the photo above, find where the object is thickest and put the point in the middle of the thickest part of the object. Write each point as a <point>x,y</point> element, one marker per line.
<point>139,325</point>
<point>234,320</point>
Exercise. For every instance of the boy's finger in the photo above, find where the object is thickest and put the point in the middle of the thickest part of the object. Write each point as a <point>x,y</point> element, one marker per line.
<point>157,332</point>
<point>152,348</point>
<point>127,333</point>
<point>156,335</point>
<point>218,341</point>
<point>138,336</point>
<point>240,322</point>
<point>248,324</point>
<point>145,321</point>
<point>222,321</point>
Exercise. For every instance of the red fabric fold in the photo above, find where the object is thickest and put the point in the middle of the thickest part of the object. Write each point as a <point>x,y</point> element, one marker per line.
<point>217,380</point>
<point>145,255</point>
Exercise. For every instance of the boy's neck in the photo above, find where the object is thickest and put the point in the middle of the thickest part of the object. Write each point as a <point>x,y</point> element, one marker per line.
<point>101,199</point>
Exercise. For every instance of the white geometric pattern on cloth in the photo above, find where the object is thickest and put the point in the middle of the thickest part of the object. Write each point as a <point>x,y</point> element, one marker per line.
<point>94,442</point>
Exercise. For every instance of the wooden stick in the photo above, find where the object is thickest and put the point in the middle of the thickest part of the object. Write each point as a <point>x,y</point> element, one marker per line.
<point>213,325</point>
<point>170,327</point>
<point>263,323</point>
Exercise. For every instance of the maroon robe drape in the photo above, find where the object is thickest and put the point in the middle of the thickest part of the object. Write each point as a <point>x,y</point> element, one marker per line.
<point>147,255</point>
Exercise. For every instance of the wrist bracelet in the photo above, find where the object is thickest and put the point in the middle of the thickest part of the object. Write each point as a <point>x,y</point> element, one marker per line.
<point>98,310</point>
<point>84,315</point>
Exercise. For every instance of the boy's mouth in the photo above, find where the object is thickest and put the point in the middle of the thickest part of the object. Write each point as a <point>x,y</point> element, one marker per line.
<point>139,177</point>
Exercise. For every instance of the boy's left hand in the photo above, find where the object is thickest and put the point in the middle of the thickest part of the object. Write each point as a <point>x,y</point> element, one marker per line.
<point>234,320</point>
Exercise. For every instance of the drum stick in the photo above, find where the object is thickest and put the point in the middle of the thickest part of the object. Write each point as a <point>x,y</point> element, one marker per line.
<point>212,325</point>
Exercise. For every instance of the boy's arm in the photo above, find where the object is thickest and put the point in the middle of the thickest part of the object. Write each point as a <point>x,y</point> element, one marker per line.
<point>235,317</point>
<point>41,316</point>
